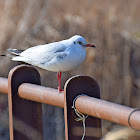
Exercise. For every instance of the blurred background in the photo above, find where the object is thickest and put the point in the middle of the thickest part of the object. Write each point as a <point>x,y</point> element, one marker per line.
<point>112,26</point>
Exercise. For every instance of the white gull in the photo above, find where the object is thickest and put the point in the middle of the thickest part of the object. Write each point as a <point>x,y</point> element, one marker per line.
<point>58,56</point>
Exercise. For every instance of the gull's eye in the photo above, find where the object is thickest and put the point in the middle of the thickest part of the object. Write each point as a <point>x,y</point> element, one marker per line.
<point>80,43</point>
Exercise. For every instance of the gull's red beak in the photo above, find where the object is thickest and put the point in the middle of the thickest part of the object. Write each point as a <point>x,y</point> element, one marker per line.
<point>89,45</point>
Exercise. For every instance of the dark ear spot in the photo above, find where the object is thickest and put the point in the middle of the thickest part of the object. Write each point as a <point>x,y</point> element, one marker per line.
<point>74,42</point>
<point>80,43</point>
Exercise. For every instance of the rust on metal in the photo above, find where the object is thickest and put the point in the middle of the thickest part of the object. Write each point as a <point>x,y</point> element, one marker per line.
<point>4,85</point>
<point>25,117</point>
<point>75,86</point>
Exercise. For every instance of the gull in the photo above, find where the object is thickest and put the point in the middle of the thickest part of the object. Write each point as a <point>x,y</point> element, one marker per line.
<point>58,57</point>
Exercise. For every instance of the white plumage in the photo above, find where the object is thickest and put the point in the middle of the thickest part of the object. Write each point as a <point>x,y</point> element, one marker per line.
<point>58,56</point>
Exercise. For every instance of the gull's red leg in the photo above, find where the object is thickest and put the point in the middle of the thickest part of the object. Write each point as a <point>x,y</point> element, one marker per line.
<point>59,81</point>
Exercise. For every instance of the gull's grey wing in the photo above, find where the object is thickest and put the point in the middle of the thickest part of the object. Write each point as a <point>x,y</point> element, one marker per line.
<point>45,53</point>
<point>57,55</point>
<point>15,51</point>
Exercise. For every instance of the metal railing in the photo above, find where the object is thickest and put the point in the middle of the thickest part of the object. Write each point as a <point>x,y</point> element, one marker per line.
<point>26,94</point>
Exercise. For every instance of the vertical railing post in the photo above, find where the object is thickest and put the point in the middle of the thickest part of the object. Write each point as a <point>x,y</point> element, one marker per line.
<point>25,117</point>
<point>75,86</point>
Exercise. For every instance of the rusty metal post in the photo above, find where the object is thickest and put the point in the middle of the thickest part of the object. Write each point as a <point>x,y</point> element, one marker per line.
<point>75,86</point>
<point>25,117</point>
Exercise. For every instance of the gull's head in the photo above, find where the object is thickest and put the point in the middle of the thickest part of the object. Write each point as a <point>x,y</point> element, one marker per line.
<point>80,41</point>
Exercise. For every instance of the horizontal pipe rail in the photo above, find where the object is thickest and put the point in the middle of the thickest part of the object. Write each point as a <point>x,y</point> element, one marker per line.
<point>92,106</point>
<point>109,111</point>
<point>41,94</point>
<point>4,85</point>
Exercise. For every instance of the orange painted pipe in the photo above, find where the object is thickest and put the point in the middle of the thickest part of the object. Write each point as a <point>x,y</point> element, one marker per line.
<point>92,106</point>
<point>109,111</point>
<point>4,85</point>
<point>41,94</point>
